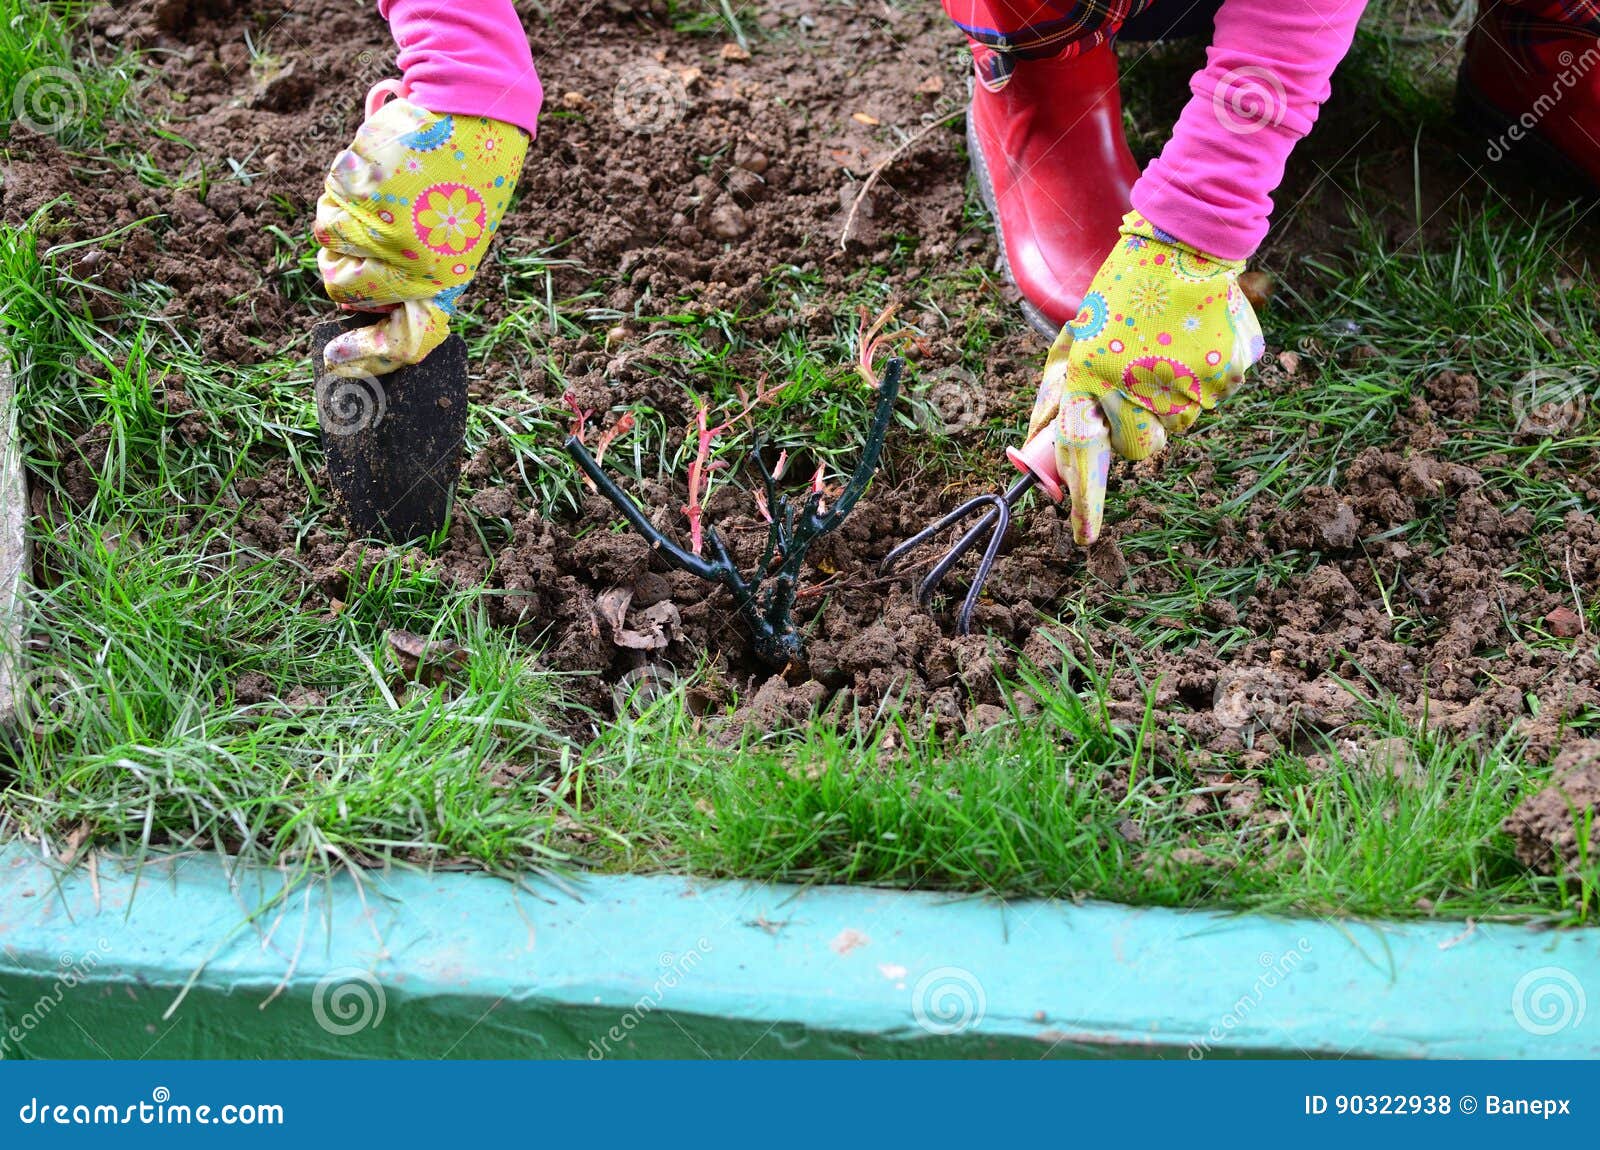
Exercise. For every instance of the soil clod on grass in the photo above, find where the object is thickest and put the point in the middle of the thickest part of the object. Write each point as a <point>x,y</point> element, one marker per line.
<point>1555,828</point>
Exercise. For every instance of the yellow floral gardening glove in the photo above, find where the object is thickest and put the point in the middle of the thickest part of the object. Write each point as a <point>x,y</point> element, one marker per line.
<point>405,218</point>
<point>1164,333</point>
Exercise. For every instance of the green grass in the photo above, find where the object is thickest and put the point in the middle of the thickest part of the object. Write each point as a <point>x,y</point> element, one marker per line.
<point>1058,800</point>
<point>49,83</point>
<point>154,618</point>
<point>193,689</point>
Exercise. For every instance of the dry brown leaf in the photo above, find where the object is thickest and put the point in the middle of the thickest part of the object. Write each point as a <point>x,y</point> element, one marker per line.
<point>1258,288</point>
<point>611,608</point>
<point>419,657</point>
<point>75,840</point>
<point>653,628</point>
<point>847,940</point>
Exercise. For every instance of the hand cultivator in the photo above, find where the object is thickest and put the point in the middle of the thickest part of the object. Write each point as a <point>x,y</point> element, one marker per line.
<point>766,607</point>
<point>1037,462</point>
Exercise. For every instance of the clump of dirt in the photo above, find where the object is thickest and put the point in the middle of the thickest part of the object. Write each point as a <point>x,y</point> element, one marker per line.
<point>1454,395</point>
<point>750,176</point>
<point>1547,825</point>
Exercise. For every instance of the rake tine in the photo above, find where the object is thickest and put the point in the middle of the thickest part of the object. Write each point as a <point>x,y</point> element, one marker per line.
<point>996,521</point>
<point>963,545</point>
<point>929,532</point>
<point>985,565</point>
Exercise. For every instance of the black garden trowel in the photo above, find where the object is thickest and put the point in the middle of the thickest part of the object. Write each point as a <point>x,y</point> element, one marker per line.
<point>393,441</point>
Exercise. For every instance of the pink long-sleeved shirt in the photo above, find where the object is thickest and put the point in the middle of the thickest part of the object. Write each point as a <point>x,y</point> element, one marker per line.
<point>466,59</point>
<point>1265,78</point>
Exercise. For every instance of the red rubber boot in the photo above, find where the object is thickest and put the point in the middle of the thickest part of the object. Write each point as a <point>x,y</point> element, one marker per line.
<point>1530,85</point>
<point>1055,172</point>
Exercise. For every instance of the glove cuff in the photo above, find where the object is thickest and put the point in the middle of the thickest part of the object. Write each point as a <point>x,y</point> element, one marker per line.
<point>466,59</point>
<point>1139,233</point>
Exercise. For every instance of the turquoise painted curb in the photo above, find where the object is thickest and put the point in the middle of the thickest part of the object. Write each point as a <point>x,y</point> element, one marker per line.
<point>183,960</point>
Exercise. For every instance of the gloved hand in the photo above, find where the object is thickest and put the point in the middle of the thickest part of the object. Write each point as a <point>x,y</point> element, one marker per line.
<point>405,218</point>
<point>1164,333</point>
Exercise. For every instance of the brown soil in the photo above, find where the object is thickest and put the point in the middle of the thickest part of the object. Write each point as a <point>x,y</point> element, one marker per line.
<point>757,176</point>
<point>1546,825</point>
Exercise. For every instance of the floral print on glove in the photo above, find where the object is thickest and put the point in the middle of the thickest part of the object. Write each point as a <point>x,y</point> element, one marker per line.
<point>406,216</point>
<point>1163,333</point>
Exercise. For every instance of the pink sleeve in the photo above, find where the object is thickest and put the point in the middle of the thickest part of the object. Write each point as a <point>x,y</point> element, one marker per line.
<point>1265,78</point>
<point>469,59</point>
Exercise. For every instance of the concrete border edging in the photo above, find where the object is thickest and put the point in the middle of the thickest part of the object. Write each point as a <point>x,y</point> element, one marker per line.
<point>14,557</point>
<point>181,959</point>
